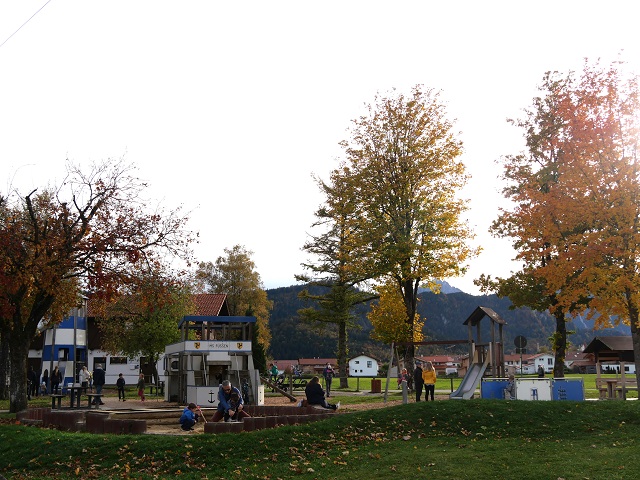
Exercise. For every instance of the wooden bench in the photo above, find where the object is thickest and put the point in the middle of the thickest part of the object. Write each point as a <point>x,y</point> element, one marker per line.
<point>605,389</point>
<point>95,399</point>
<point>59,397</point>
<point>622,389</point>
<point>614,388</point>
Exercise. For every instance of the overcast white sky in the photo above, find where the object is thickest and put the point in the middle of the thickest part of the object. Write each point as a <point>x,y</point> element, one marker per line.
<point>228,108</point>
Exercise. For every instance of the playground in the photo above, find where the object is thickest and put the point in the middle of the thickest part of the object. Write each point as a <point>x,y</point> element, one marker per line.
<point>438,440</point>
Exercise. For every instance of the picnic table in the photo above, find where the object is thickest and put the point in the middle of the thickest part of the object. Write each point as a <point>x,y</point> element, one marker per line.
<point>611,387</point>
<point>56,397</point>
<point>75,391</point>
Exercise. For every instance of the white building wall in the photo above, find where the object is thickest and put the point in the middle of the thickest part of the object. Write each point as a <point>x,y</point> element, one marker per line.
<point>130,370</point>
<point>363,366</point>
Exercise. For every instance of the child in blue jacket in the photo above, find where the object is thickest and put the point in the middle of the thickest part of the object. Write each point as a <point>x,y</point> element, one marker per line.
<point>189,417</point>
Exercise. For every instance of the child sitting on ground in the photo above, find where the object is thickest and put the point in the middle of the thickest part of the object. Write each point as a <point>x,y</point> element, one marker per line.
<point>189,417</point>
<point>234,401</point>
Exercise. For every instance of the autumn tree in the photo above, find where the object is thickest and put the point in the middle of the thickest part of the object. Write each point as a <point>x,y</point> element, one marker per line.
<point>142,319</point>
<point>387,317</point>
<point>335,272</point>
<point>575,218</point>
<point>403,160</point>
<point>534,184</point>
<point>604,124</point>
<point>85,234</point>
<point>4,362</point>
<point>235,275</point>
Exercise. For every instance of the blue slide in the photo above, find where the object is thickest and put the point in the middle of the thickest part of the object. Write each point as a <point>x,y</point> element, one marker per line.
<point>470,382</point>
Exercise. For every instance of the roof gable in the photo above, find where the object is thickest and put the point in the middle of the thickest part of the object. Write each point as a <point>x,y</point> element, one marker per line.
<point>479,313</point>
<point>210,304</point>
<point>316,361</point>
<point>620,344</point>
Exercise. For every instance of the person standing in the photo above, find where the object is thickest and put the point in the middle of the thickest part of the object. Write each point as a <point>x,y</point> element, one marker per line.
<point>83,376</point>
<point>98,381</point>
<point>140,387</point>
<point>120,386</point>
<point>32,390</point>
<point>224,406</point>
<point>417,381</point>
<point>429,378</point>
<point>540,371</point>
<point>273,375</point>
<point>328,375</point>
<point>315,395</point>
<point>45,380</point>
<point>273,372</point>
<point>56,379</point>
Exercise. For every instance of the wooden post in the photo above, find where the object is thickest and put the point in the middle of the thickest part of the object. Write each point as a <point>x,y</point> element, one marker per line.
<point>280,391</point>
<point>386,388</point>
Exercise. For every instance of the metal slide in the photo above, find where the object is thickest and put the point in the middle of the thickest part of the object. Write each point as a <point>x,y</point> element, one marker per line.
<point>470,381</point>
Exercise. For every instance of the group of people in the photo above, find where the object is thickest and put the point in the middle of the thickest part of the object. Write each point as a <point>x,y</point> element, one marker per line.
<point>314,393</point>
<point>87,381</point>
<point>43,385</point>
<point>230,408</point>
<point>424,379</point>
<point>120,384</point>
<point>231,404</point>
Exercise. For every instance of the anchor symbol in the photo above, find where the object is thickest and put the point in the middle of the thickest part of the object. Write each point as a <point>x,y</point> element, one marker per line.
<point>211,400</point>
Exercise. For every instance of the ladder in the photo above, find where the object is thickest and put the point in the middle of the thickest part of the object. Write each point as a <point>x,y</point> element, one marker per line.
<point>200,374</point>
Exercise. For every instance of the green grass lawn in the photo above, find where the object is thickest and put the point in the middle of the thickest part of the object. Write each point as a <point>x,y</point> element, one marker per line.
<point>474,439</point>
<point>364,385</point>
<point>447,384</point>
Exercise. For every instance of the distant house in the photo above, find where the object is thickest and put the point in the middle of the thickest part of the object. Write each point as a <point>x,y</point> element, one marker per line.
<point>285,365</point>
<point>528,364</point>
<point>315,366</point>
<point>611,352</point>
<point>544,360</point>
<point>443,364</point>
<point>580,362</point>
<point>363,366</point>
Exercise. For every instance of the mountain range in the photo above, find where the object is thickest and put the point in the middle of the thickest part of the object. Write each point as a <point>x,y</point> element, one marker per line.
<point>445,314</point>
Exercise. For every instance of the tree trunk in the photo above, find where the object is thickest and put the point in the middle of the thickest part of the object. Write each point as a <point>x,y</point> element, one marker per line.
<point>342,355</point>
<point>635,336</point>
<point>155,379</point>
<point>560,344</point>
<point>4,362</point>
<point>411,304</point>
<point>18,354</point>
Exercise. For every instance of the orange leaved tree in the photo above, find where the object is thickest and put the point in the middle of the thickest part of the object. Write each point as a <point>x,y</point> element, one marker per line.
<point>576,211</point>
<point>88,234</point>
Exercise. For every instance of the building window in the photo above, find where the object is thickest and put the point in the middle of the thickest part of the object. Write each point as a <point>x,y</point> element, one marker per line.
<point>356,362</point>
<point>549,361</point>
<point>118,360</point>
<point>369,364</point>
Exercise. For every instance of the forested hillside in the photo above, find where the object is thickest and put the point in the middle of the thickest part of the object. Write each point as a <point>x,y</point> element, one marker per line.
<point>444,313</point>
